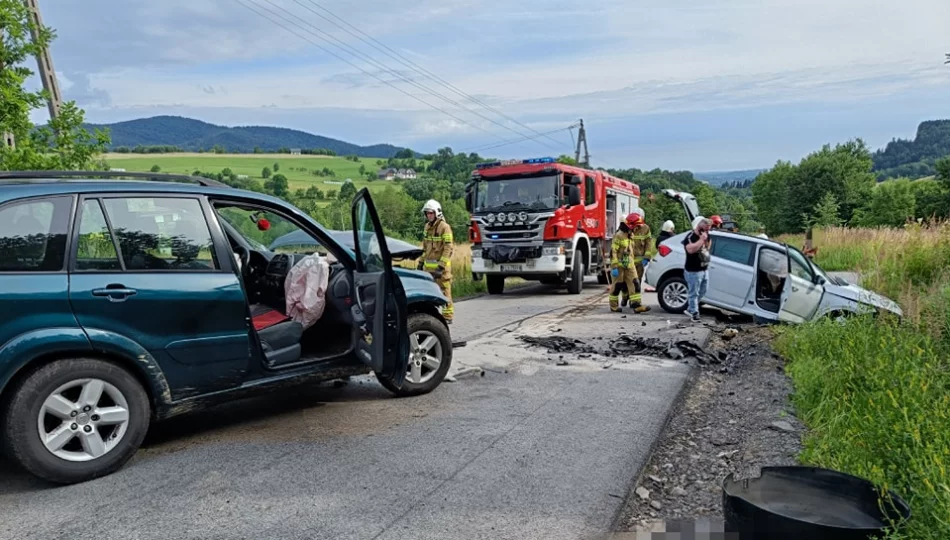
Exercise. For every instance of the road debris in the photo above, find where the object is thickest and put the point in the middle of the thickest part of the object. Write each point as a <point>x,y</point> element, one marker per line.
<point>729,333</point>
<point>643,493</point>
<point>728,422</point>
<point>558,344</point>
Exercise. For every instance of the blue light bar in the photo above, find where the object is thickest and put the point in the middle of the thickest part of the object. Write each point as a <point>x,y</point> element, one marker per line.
<point>531,161</point>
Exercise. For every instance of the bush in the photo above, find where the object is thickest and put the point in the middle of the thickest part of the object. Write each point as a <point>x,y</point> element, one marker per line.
<point>876,399</point>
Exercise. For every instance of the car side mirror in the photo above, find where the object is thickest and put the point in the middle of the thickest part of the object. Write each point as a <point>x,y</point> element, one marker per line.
<point>470,197</point>
<point>573,196</point>
<point>574,180</point>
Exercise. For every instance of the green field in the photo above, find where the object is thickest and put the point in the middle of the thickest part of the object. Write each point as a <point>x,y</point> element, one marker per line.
<point>295,168</point>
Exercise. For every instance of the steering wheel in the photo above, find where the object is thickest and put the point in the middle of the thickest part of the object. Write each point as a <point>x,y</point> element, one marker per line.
<point>245,255</point>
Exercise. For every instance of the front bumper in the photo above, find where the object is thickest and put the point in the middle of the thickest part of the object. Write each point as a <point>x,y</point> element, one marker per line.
<point>546,264</point>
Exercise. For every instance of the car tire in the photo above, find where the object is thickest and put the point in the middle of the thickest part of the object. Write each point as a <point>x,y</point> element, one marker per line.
<point>576,283</point>
<point>59,386</point>
<point>423,326</point>
<point>496,284</point>
<point>670,292</point>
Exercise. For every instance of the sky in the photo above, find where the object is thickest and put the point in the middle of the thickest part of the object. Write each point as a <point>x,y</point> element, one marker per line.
<point>676,84</point>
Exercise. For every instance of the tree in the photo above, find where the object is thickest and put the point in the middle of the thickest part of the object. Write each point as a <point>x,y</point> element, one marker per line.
<point>265,173</point>
<point>218,149</point>
<point>63,143</point>
<point>278,185</point>
<point>155,168</point>
<point>825,213</point>
<point>943,170</point>
<point>566,159</point>
<point>347,191</point>
<point>276,167</point>
<point>932,199</point>
<point>890,205</point>
<point>405,153</point>
<point>362,170</point>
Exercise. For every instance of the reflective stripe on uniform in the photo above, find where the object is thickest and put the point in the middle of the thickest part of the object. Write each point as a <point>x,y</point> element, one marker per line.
<point>446,237</point>
<point>445,261</point>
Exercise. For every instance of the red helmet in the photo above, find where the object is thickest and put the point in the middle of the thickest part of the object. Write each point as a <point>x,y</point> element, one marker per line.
<point>716,221</point>
<point>633,220</point>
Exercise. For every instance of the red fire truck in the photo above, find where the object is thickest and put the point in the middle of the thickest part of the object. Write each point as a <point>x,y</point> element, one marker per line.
<point>545,221</point>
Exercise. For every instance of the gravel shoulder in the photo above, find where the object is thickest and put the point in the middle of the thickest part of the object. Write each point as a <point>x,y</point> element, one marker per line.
<point>734,418</point>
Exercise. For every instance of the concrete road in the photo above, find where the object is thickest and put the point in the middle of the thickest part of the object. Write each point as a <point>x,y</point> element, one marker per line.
<point>530,450</point>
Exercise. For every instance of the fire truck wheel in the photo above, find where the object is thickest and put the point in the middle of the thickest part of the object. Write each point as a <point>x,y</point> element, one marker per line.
<point>576,284</point>
<point>496,284</point>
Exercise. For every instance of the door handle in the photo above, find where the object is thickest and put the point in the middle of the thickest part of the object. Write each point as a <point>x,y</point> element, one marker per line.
<point>115,292</point>
<point>794,289</point>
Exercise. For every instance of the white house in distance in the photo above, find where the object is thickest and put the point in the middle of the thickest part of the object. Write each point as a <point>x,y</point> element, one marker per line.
<point>295,151</point>
<point>392,173</point>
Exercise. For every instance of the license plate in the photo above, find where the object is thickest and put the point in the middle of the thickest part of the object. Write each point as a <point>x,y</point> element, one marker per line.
<point>511,268</point>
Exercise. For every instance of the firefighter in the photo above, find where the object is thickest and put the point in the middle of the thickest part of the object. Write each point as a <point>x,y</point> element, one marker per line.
<point>623,269</point>
<point>640,240</point>
<point>437,253</point>
<point>716,222</point>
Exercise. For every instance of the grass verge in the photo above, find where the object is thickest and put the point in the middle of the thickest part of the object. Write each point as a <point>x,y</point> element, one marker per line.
<point>875,393</point>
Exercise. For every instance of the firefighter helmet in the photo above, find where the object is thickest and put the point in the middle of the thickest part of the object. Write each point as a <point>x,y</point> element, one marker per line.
<point>633,220</point>
<point>432,205</point>
<point>668,226</point>
<point>716,221</point>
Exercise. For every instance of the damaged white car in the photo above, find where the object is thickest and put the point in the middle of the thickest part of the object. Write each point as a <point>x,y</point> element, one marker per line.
<point>761,278</point>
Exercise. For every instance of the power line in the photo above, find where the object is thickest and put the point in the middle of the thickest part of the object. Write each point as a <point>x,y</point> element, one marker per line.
<point>491,146</point>
<point>373,42</point>
<point>377,77</point>
<point>334,41</point>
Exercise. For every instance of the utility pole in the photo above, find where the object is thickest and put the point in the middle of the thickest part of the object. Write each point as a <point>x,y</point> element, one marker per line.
<point>45,61</point>
<point>582,139</point>
<point>7,137</point>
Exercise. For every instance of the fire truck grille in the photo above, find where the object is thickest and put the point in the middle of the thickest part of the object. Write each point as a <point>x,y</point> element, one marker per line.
<point>513,233</point>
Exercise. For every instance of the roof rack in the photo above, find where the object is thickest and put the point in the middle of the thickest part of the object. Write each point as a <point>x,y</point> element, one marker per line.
<point>159,177</point>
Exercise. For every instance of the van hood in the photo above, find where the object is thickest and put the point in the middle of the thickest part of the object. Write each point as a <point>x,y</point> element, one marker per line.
<point>864,296</point>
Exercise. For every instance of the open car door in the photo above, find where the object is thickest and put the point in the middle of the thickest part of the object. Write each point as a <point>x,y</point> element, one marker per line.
<point>802,293</point>
<point>690,206</point>
<point>381,311</point>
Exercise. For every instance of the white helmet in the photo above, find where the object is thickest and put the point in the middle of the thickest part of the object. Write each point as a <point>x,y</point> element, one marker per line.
<point>697,221</point>
<point>433,205</point>
<point>667,226</point>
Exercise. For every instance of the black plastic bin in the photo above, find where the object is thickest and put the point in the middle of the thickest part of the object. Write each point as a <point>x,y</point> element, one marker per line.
<point>807,503</point>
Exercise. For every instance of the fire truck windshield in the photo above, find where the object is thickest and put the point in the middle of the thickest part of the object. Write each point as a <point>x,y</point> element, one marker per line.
<point>532,193</point>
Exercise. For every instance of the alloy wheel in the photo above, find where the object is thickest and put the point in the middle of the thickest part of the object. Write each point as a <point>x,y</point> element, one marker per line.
<point>425,356</point>
<point>83,420</point>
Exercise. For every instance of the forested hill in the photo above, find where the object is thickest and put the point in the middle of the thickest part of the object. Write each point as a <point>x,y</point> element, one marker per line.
<point>914,158</point>
<point>193,135</point>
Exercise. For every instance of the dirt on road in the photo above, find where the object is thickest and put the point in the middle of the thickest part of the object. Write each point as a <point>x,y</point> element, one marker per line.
<point>735,417</point>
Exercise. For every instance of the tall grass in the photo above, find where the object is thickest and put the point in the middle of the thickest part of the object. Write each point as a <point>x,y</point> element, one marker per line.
<point>876,393</point>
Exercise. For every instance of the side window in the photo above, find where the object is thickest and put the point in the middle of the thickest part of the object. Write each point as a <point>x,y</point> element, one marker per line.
<point>800,267</point>
<point>733,249</point>
<point>589,188</point>
<point>158,233</point>
<point>369,251</point>
<point>33,235</point>
<point>96,250</point>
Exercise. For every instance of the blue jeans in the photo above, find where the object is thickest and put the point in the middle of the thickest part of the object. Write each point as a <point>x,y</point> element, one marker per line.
<point>697,283</point>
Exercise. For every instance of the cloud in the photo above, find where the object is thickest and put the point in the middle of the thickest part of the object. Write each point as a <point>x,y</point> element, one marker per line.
<point>613,62</point>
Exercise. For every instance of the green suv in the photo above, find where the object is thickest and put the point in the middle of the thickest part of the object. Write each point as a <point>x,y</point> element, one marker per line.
<point>129,301</point>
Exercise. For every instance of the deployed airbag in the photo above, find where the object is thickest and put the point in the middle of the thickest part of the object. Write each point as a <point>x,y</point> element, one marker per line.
<point>306,288</point>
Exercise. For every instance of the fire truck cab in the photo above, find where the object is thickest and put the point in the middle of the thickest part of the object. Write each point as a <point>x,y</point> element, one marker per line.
<point>544,221</point>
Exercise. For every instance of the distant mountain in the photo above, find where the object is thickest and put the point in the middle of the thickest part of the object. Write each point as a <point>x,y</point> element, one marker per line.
<point>193,135</point>
<point>914,159</point>
<point>724,177</point>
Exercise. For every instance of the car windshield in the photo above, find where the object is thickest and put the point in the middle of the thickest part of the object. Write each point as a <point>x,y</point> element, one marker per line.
<point>536,193</point>
<point>262,230</point>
